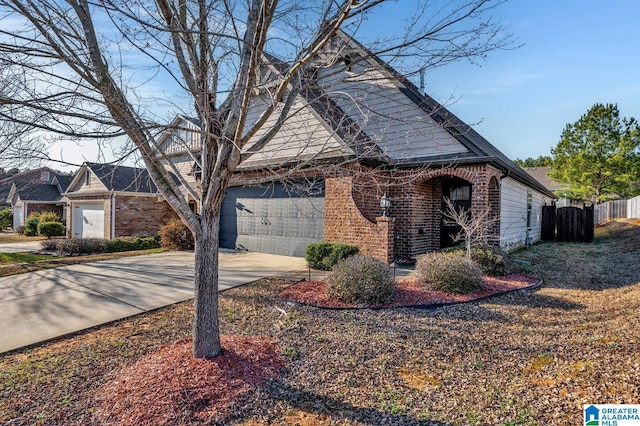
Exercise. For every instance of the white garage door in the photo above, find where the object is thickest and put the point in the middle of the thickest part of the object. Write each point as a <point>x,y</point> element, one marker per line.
<point>18,217</point>
<point>89,221</point>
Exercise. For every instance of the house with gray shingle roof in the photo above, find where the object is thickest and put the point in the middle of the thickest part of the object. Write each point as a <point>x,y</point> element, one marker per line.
<point>35,191</point>
<point>358,130</point>
<point>110,201</point>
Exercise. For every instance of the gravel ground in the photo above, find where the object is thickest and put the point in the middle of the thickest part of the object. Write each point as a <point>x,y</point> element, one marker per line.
<point>525,358</point>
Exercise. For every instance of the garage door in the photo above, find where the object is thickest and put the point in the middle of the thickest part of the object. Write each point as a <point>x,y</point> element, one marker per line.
<point>273,220</point>
<point>89,221</point>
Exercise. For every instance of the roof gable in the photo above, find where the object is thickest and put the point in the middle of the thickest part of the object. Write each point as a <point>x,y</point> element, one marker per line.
<point>112,178</point>
<point>425,144</point>
<point>306,134</point>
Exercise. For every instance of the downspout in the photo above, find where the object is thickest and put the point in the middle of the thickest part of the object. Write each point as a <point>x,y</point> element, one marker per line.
<point>113,215</point>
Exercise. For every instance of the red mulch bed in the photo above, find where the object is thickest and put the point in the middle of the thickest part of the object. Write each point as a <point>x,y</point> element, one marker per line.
<point>171,387</point>
<point>408,293</point>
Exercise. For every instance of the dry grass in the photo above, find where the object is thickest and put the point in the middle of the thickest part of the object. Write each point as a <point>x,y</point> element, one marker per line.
<point>526,358</point>
<point>6,238</point>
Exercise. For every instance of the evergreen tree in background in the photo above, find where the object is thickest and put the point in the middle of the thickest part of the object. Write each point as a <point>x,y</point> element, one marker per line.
<point>599,156</point>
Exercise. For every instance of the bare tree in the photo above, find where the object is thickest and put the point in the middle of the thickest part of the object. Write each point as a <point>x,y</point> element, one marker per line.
<point>19,148</point>
<point>93,65</point>
<point>474,229</point>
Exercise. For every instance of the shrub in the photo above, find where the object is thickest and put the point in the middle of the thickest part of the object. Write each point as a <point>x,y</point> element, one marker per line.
<point>47,216</point>
<point>31,227</point>
<point>176,236</point>
<point>450,272</point>
<point>82,245</point>
<point>49,245</point>
<point>135,243</point>
<point>325,256</point>
<point>361,279</point>
<point>6,218</point>
<point>493,261</point>
<point>51,229</point>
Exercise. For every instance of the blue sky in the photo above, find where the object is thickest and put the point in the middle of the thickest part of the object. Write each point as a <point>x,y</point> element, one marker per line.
<point>574,54</point>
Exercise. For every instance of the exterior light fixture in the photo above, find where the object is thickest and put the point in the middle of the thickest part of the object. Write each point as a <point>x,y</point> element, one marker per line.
<point>385,203</point>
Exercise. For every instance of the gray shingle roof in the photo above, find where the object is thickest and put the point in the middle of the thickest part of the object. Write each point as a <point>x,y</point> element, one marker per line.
<point>123,178</point>
<point>44,192</point>
<point>541,174</point>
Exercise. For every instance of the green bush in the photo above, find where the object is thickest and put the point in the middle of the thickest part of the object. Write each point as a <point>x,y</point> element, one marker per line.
<point>361,279</point>
<point>325,256</point>
<point>450,272</point>
<point>135,243</point>
<point>176,236</point>
<point>51,229</point>
<point>6,218</point>
<point>31,227</point>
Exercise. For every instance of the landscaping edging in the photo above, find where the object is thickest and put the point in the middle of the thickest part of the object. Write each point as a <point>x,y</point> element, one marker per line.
<point>427,306</point>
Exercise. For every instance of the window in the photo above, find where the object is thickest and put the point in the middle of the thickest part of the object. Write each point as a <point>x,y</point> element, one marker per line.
<point>529,203</point>
<point>460,193</point>
<point>87,178</point>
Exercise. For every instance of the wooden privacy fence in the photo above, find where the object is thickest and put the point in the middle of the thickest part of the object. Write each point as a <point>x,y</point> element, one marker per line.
<point>610,210</point>
<point>633,207</point>
<point>570,224</point>
<point>617,209</point>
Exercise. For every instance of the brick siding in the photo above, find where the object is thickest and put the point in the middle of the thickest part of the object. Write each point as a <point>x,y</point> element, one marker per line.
<point>344,221</point>
<point>140,216</point>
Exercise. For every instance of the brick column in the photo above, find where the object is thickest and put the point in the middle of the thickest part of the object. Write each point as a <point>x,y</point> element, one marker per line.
<point>384,248</point>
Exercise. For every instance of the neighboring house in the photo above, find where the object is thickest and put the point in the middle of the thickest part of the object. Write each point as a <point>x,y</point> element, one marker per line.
<point>110,201</point>
<point>35,191</point>
<point>542,175</point>
<point>359,131</point>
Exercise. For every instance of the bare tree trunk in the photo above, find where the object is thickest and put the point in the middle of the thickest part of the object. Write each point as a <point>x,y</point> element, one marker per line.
<point>206,333</point>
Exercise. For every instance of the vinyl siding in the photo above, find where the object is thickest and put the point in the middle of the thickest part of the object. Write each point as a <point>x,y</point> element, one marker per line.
<point>302,136</point>
<point>375,102</point>
<point>92,186</point>
<point>513,213</point>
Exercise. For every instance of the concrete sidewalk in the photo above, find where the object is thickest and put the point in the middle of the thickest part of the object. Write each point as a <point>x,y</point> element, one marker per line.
<point>38,306</point>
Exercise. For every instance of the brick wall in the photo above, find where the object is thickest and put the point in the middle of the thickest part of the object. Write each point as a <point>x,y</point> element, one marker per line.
<point>417,200</point>
<point>344,221</point>
<point>140,216</point>
<point>44,207</point>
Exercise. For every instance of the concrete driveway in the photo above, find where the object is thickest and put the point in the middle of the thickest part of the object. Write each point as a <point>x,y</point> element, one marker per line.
<point>38,306</point>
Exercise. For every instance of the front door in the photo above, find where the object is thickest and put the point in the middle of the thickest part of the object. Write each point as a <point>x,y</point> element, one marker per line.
<point>459,192</point>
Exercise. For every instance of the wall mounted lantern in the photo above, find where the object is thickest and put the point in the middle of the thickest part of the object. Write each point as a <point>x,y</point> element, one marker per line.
<point>385,203</point>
